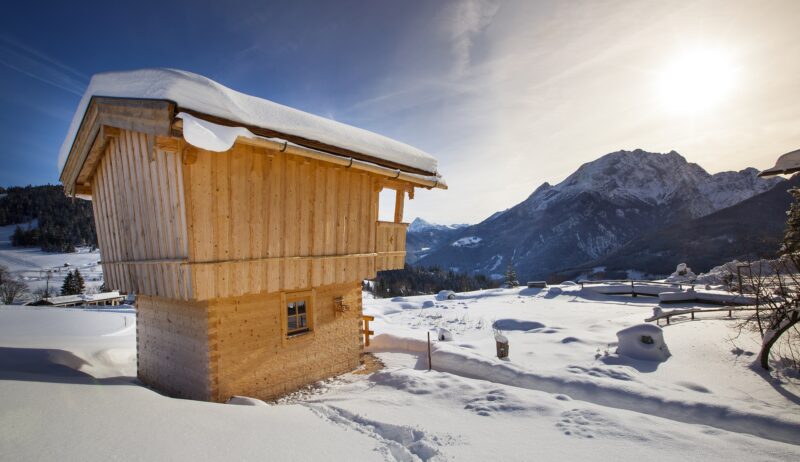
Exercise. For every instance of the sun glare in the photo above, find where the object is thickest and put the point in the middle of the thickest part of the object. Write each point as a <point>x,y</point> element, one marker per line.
<point>696,81</point>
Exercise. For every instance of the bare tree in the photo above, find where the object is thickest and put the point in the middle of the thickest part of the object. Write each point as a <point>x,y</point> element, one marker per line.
<point>10,290</point>
<point>4,274</point>
<point>776,285</point>
<point>43,293</point>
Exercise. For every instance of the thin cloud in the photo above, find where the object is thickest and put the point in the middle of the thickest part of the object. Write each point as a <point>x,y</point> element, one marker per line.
<point>466,21</point>
<point>39,66</point>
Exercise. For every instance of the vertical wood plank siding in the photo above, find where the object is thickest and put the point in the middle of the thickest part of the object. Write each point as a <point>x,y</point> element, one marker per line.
<point>138,200</point>
<point>246,221</point>
<point>261,221</point>
<point>391,246</point>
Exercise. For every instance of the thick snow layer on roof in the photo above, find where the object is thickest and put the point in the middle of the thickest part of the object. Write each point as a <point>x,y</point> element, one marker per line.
<point>195,92</point>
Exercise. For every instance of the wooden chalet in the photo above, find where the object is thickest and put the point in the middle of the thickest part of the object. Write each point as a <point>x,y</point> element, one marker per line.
<point>244,227</point>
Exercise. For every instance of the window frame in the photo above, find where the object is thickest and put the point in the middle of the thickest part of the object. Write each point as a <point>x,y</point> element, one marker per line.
<point>306,296</point>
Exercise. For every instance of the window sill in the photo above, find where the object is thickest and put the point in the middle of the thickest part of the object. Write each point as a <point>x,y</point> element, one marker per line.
<point>298,334</point>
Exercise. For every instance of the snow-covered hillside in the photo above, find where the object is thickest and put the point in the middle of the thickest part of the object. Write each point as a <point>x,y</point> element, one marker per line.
<point>66,377</point>
<point>32,264</point>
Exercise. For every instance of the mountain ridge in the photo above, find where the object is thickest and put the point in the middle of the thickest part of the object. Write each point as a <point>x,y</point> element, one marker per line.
<point>595,210</point>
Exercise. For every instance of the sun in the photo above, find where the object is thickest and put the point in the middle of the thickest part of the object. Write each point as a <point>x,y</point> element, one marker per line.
<point>697,80</point>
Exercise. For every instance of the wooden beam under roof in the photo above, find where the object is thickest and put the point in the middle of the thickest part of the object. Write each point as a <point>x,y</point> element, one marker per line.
<point>152,117</point>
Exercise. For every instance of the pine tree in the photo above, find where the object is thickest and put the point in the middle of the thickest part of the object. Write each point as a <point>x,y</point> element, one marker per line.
<point>66,288</point>
<point>791,238</point>
<point>78,282</point>
<point>511,277</point>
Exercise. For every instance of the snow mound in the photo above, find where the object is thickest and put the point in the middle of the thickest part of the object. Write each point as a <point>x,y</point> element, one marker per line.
<point>195,92</point>
<point>643,341</point>
<point>682,274</point>
<point>246,401</point>
<point>553,292</point>
<point>444,335</point>
<point>445,295</point>
<point>517,324</point>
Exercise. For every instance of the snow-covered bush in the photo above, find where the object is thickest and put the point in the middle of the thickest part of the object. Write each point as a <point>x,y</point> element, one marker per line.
<point>445,295</point>
<point>643,341</point>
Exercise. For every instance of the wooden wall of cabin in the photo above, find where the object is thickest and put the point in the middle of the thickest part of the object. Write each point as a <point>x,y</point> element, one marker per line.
<point>251,355</point>
<point>246,221</point>
<point>262,221</point>
<point>139,209</point>
<point>172,346</point>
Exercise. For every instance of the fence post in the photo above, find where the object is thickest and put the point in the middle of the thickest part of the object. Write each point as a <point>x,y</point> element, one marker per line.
<point>430,366</point>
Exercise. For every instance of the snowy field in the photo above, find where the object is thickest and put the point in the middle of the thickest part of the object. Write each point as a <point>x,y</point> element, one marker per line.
<point>32,264</point>
<point>69,392</point>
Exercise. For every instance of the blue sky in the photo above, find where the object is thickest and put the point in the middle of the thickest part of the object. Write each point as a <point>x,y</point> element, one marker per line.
<point>315,57</point>
<point>507,94</point>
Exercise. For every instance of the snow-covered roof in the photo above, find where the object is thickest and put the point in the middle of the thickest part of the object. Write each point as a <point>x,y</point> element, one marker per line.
<point>102,296</point>
<point>83,298</point>
<point>197,93</point>
<point>787,163</point>
<point>65,299</point>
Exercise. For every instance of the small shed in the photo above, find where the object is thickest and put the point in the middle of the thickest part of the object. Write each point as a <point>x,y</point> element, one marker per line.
<point>244,227</point>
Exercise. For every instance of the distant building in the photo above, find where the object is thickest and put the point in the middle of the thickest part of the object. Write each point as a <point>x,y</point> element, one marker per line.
<point>102,299</point>
<point>244,227</point>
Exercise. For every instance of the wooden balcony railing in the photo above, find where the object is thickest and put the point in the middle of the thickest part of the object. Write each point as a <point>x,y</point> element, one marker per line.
<point>390,245</point>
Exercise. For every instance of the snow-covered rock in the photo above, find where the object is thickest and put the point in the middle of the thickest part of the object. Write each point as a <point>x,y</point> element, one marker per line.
<point>682,273</point>
<point>444,335</point>
<point>643,341</point>
<point>445,295</point>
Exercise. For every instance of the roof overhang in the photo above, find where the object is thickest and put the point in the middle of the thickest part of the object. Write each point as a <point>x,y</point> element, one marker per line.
<point>105,116</point>
<point>786,164</point>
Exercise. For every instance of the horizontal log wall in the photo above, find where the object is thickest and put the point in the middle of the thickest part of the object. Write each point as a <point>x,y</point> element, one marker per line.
<point>172,345</point>
<point>140,215</point>
<point>264,221</point>
<point>251,357</point>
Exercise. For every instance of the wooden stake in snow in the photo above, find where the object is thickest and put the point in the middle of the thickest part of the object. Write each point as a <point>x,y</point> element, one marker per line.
<point>430,366</point>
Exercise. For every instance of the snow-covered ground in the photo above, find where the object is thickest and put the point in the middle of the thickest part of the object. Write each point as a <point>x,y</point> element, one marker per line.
<point>69,392</point>
<point>32,264</point>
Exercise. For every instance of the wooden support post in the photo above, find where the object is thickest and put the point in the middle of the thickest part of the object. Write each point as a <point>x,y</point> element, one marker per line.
<point>430,365</point>
<point>366,330</point>
<point>692,315</point>
<point>398,205</point>
<point>730,315</point>
<point>667,320</point>
<point>633,289</point>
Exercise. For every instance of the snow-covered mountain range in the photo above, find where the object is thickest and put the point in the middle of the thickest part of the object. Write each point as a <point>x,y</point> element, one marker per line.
<point>424,236</point>
<point>594,211</point>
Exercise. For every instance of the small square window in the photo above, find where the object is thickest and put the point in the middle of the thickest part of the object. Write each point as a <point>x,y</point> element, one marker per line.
<point>296,318</point>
